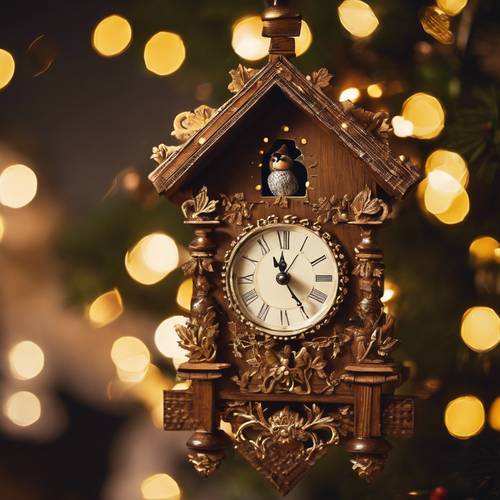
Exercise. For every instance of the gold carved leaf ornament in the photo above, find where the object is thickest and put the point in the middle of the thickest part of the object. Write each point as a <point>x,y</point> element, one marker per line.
<point>187,123</point>
<point>239,77</point>
<point>199,206</point>
<point>320,79</point>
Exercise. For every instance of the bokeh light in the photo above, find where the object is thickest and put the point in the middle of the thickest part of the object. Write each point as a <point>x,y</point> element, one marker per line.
<point>484,249</point>
<point>494,415</point>
<point>23,408</point>
<point>26,360</point>
<point>401,127</point>
<point>457,211</point>
<point>480,328</point>
<point>464,417</point>
<point>451,163</point>
<point>160,487</point>
<point>391,291</point>
<point>304,40</point>
<point>167,340</point>
<point>357,18</point>
<point>111,36</point>
<point>130,355</point>
<point>152,258</point>
<point>164,53</point>
<point>7,67</point>
<point>451,7</point>
<point>184,294</point>
<point>105,308</point>
<point>247,40</point>
<point>18,186</point>
<point>426,113</point>
<point>350,94</point>
<point>374,90</point>
<point>2,228</point>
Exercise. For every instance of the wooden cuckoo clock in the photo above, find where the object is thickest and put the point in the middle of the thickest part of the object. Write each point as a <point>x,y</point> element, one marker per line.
<point>288,339</point>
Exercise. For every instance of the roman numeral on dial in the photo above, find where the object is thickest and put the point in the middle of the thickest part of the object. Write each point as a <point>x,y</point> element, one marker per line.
<point>250,296</point>
<point>284,317</point>
<point>253,261</point>
<point>247,279</point>
<point>323,277</point>
<point>318,295</point>
<point>264,247</point>
<point>318,260</point>
<point>284,239</point>
<point>264,309</point>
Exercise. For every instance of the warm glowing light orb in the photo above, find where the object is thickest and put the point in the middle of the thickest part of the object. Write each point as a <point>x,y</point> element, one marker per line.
<point>464,417</point>
<point>26,360</point>
<point>374,90</point>
<point>402,127</point>
<point>457,211</point>
<point>437,201</point>
<point>451,7</point>
<point>494,415</point>
<point>480,328</point>
<point>105,308</point>
<point>160,487</point>
<point>184,294</point>
<point>451,163</point>
<point>129,354</point>
<point>23,408</point>
<point>426,113</point>
<point>484,249</point>
<point>2,228</point>
<point>164,53</point>
<point>247,40</point>
<point>167,340</point>
<point>357,18</point>
<point>443,182</point>
<point>304,40</point>
<point>18,186</point>
<point>350,94</point>
<point>390,291</point>
<point>111,36</point>
<point>152,258</point>
<point>7,68</point>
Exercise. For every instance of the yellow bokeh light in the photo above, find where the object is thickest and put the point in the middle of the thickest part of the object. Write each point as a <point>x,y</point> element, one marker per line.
<point>304,40</point>
<point>23,408</point>
<point>7,68</point>
<point>2,228</point>
<point>247,40</point>
<point>494,415</point>
<point>464,417</point>
<point>164,53</point>
<point>350,94</point>
<point>131,377</point>
<point>18,186</point>
<point>374,90</point>
<point>184,294</point>
<point>26,360</point>
<point>457,211</point>
<point>357,18</point>
<point>111,36</point>
<point>129,354</point>
<point>444,182</point>
<point>426,113</point>
<point>105,308</point>
<point>451,7</point>
<point>160,487</point>
<point>167,340</point>
<point>152,258</point>
<point>390,291</point>
<point>451,163</point>
<point>402,127</point>
<point>436,201</point>
<point>480,328</point>
<point>484,249</point>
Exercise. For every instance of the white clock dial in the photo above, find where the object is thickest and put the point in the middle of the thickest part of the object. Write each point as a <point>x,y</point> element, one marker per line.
<point>283,278</point>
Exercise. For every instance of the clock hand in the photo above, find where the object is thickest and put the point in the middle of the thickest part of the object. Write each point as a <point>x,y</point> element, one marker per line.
<point>288,269</point>
<point>282,263</point>
<point>294,297</point>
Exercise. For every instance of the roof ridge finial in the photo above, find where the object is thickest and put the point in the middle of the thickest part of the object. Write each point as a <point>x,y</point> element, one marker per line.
<point>281,25</point>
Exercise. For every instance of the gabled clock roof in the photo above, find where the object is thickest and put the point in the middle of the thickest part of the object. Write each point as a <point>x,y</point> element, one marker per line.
<point>396,175</point>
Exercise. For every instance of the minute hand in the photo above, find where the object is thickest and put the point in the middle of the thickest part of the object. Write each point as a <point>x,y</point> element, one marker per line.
<point>294,297</point>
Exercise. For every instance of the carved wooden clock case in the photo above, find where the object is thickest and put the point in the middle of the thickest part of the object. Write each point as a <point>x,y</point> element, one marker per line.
<point>288,339</point>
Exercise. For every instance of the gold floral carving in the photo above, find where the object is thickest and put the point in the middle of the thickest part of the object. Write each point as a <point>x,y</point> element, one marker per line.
<point>199,336</point>
<point>187,123</point>
<point>272,368</point>
<point>239,77</point>
<point>236,209</point>
<point>364,208</point>
<point>198,207</point>
<point>320,79</point>
<point>377,122</point>
<point>161,152</point>
<point>206,463</point>
<point>368,466</point>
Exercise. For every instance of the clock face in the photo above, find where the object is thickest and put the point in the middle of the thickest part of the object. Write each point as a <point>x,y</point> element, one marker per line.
<point>283,279</point>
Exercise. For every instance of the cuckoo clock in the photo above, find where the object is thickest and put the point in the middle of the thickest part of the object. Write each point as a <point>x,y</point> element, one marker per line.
<point>288,339</point>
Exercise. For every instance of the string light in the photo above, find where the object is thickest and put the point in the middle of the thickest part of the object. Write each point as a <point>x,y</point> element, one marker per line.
<point>167,340</point>
<point>451,7</point>
<point>184,294</point>
<point>484,249</point>
<point>374,90</point>
<point>164,53</point>
<point>18,186</point>
<point>451,163</point>
<point>357,18</point>
<point>26,360</point>
<point>7,68</point>
<point>402,127</point>
<point>129,354</point>
<point>111,36</point>
<point>494,415</point>
<point>105,308</point>
<point>480,329</point>
<point>247,40</point>
<point>160,487</point>
<point>464,417</point>
<point>426,113</point>
<point>23,408</point>
<point>350,94</point>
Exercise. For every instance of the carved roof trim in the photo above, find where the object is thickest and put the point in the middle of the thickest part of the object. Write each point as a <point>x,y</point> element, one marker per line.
<point>396,176</point>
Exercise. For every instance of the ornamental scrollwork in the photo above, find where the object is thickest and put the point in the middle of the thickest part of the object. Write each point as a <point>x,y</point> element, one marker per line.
<point>161,152</point>
<point>239,77</point>
<point>368,466</point>
<point>378,123</point>
<point>187,123</point>
<point>205,463</point>
<point>320,79</point>
<point>236,209</point>
<point>200,206</point>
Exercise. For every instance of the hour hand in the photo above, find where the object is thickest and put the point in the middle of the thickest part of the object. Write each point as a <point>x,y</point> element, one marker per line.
<point>282,263</point>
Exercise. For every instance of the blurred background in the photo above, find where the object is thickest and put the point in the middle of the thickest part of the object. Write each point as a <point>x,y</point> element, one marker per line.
<point>90,256</point>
